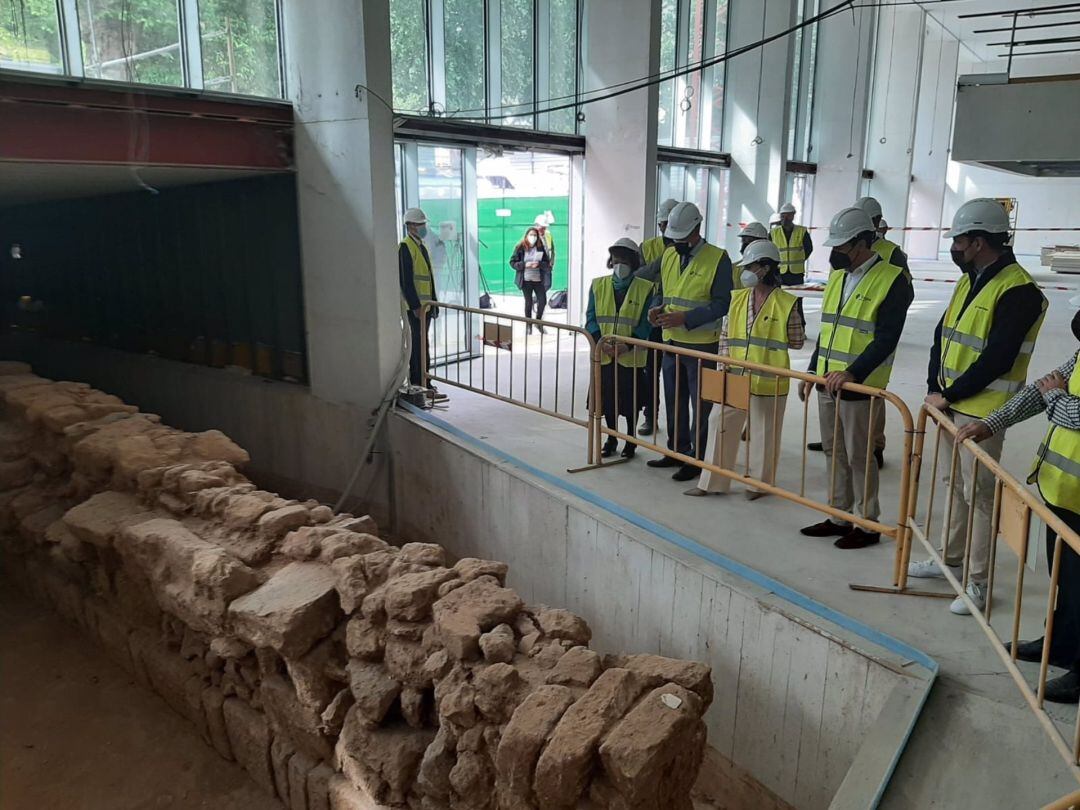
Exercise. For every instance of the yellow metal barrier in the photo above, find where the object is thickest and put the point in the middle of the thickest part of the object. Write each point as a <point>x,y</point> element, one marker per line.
<point>494,354</point>
<point>725,381</point>
<point>1014,504</point>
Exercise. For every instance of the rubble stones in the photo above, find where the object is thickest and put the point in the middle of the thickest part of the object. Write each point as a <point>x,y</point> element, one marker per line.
<point>465,613</point>
<point>290,612</point>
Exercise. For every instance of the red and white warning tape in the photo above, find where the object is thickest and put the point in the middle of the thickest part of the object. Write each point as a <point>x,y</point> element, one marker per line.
<point>917,228</point>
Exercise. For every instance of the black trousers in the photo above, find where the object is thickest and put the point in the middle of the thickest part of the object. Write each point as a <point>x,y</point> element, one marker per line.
<point>1065,648</point>
<point>415,371</point>
<point>650,382</point>
<point>534,289</point>
<point>692,434</point>
<point>792,279</point>
<point>617,392</point>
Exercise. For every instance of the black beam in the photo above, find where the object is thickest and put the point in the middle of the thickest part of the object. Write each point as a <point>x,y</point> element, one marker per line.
<point>1021,12</point>
<point>696,157</point>
<point>450,130</point>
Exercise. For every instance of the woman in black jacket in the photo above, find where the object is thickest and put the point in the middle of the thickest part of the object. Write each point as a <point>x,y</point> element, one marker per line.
<point>532,273</point>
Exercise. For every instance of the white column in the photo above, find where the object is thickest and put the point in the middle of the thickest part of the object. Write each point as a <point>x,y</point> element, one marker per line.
<point>894,99</point>
<point>345,162</point>
<point>757,169</point>
<point>933,134</point>
<point>620,147</point>
<point>845,45</point>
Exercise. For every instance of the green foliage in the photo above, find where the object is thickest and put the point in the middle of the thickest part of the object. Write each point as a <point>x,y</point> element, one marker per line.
<point>408,55</point>
<point>240,46</point>
<point>463,24</point>
<point>29,32</point>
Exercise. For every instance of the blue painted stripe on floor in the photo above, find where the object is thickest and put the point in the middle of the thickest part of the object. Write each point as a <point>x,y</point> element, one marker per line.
<point>785,592</point>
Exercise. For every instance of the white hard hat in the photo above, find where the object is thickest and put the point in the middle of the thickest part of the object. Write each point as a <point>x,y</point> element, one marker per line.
<point>787,208</point>
<point>629,244</point>
<point>682,220</point>
<point>756,230</point>
<point>882,224</point>
<point>665,209</point>
<point>415,216</point>
<point>980,214</point>
<point>848,224</point>
<point>871,206</point>
<point>762,249</point>
<point>540,221</point>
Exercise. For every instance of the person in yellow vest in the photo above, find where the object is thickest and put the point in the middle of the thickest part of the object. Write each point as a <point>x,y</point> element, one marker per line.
<point>694,295</point>
<point>795,246</point>
<point>652,250</point>
<point>982,347</point>
<point>750,233</point>
<point>863,312</point>
<point>762,323</point>
<point>619,305</point>
<point>417,283</point>
<point>1056,472</point>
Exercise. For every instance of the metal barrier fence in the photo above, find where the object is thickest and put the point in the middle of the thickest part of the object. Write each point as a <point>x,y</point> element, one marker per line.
<point>521,361</point>
<point>726,382</point>
<point>1011,506</point>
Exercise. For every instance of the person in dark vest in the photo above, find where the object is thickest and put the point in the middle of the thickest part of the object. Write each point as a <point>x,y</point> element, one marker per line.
<point>619,305</point>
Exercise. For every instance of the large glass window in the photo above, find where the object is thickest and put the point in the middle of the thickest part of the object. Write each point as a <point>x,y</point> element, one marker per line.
<point>240,46</point>
<point>563,64</point>
<point>716,131</point>
<point>30,36</point>
<point>691,107</point>
<point>705,186</point>
<point>132,40</point>
<point>517,41</point>
<point>463,30</point>
<point>669,19</point>
<point>409,55</point>
<point>804,67</point>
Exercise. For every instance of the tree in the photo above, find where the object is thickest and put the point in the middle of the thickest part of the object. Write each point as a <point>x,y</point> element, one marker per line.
<point>29,33</point>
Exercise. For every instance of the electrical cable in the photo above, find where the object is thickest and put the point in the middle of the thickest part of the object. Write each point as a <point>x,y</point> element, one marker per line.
<point>888,77</point>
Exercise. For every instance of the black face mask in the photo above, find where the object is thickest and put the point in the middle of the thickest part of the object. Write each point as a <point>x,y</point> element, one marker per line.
<point>841,261</point>
<point>960,261</point>
<point>1076,325</point>
<point>682,248</point>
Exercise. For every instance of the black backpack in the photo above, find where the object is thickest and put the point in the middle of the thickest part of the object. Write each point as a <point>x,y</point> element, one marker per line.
<point>557,300</point>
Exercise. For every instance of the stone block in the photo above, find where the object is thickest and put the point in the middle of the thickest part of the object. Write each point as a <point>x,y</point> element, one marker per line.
<point>499,645</point>
<point>281,753</point>
<point>465,613</point>
<point>562,624</point>
<point>470,568</point>
<point>318,786</point>
<point>313,687</point>
<point>213,445</point>
<point>563,770</point>
<point>352,583</point>
<point>213,702</point>
<point>433,778</point>
<point>333,716</point>
<point>99,519</point>
<point>242,511</point>
<point>15,474</point>
<point>364,639</point>
<point>529,729</point>
<point>346,544</point>
<point>190,577</point>
<point>292,610</point>
<point>249,738</point>
<point>656,670</point>
<point>289,717</point>
<point>382,762</point>
<point>300,767</point>
<point>373,689</point>
<point>344,796</point>
<point>277,522</point>
<point>580,666</point>
<point>409,597</point>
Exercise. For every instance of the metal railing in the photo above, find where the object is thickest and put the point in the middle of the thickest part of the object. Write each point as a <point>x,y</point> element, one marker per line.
<point>493,354</point>
<point>726,382</point>
<point>1013,505</point>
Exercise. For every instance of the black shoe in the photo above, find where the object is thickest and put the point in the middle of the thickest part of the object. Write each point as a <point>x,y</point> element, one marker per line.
<point>825,529</point>
<point>688,473</point>
<point>1027,650</point>
<point>628,450</point>
<point>816,446</point>
<point>609,447</point>
<point>879,454</point>
<point>647,427</point>
<point>665,461</point>
<point>857,538</point>
<point>1064,689</point>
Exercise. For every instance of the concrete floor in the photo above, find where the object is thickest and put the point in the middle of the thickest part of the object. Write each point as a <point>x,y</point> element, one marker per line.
<point>76,732</point>
<point>764,534</point>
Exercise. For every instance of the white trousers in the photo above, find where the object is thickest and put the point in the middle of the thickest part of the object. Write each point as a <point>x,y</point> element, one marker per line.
<point>725,438</point>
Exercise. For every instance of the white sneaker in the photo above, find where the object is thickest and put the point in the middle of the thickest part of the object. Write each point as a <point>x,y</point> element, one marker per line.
<point>976,593</point>
<point>924,569</point>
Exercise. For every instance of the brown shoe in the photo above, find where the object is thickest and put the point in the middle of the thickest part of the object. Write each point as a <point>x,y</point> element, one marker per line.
<point>857,538</point>
<point>825,529</point>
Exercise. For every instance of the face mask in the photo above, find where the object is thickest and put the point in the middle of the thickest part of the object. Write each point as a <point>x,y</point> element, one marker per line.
<point>959,260</point>
<point>1076,325</point>
<point>531,239</point>
<point>421,232</point>
<point>622,270</point>
<point>682,248</point>
<point>749,278</point>
<point>841,261</point>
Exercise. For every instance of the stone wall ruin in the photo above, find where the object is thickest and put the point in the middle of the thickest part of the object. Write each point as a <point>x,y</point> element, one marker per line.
<point>339,670</point>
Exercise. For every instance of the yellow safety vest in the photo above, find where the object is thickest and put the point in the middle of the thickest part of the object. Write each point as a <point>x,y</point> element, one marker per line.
<point>1056,470</point>
<point>964,336</point>
<point>886,249</point>
<point>847,331</point>
<point>767,342</point>
<point>423,280</point>
<point>689,289</point>
<point>792,255</point>
<point>622,321</point>
<point>652,249</point>
<point>736,276</point>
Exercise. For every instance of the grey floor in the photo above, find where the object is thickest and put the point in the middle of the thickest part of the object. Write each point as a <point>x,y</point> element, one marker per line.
<point>764,534</point>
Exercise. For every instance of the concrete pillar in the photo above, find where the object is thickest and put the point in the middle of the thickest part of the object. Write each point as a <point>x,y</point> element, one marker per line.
<point>345,160</point>
<point>620,146</point>
<point>756,179</point>
<point>894,99</point>
<point>845,45</point>
<point>933,135</point>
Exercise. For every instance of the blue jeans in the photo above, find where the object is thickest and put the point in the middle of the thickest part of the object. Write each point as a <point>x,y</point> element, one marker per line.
<point>693,435</point>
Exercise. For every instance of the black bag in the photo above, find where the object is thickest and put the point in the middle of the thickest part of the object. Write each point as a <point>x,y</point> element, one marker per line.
<point>485,299</point>
<point>557,300</point>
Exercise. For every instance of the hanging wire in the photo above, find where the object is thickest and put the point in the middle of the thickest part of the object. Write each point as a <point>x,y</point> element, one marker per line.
<point>888,76</point>
<point>761,75</point>
<point>855,86</point>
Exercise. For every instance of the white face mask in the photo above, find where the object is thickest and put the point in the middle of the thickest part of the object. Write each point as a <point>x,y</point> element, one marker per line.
<point>749,278</point>
<point>531,239</point>
<point>622,270</point>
